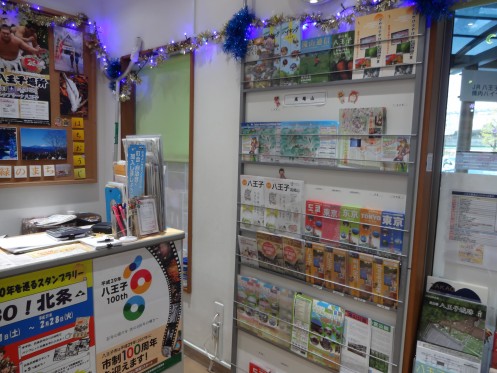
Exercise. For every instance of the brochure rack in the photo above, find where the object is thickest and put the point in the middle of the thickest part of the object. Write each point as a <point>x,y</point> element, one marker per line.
<point>283,114</point>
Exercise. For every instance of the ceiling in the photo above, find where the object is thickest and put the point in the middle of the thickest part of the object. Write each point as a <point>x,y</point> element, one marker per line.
<point>474,40</point>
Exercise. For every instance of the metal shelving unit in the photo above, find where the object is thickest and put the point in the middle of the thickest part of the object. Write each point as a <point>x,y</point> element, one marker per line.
<point>416,80</point>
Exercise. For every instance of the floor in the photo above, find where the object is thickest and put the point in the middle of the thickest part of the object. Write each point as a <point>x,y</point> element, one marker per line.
<point>190,365</point>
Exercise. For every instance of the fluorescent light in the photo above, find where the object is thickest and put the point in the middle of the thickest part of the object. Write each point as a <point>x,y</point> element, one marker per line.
<point>315,1</point>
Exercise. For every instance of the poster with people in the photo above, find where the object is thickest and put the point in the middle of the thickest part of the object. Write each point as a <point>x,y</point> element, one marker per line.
<point>47,320</point>
<point>68,48</point>
<point>24,71</point>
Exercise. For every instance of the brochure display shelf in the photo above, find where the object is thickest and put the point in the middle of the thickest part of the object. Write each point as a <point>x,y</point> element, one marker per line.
<point>307,148</point>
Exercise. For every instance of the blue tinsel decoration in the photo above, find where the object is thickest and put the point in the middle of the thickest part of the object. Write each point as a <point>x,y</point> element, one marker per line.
<point>113,70</point>
<point>236,39</point>
<point>434,10</point>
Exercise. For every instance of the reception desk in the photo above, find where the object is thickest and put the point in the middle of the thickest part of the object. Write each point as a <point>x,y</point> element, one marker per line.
<point>73,308</point>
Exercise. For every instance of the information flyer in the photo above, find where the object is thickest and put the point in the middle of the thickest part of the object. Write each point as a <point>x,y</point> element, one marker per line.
<point>46,321</point>
<point>138,310</point>
<point>473,229</point>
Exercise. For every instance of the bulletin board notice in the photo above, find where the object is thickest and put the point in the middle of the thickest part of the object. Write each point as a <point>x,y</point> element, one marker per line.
<point>473,229</point>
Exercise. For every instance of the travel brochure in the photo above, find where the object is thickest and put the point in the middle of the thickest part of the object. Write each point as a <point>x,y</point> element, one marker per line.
<point>265,310</point>
<point>363,276</point>
<point>294,52</point>
<point>453,335</point>
<point>358,228</point>
<point>386,43</point>
<point>274,205</point>
<point>320,331</point>
<point>357,140</point>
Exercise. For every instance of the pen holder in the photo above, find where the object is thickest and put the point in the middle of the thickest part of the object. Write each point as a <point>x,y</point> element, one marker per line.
<point>118,225</point>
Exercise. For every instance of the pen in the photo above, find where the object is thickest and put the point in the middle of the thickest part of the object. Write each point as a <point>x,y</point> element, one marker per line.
<point>122,211</point>
<point>118,218</point>
<point>105,240</point>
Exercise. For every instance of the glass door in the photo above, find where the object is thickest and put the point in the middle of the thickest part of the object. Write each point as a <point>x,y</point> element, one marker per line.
<point>465,237</point>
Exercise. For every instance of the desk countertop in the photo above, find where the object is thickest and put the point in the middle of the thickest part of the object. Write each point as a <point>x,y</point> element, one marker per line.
<point>11,264</point>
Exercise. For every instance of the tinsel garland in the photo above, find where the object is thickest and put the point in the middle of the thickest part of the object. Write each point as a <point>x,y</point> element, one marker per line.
<point>32,14</point>
<point>434,10</point>
<point>235,28</point>
<point>236,40</point>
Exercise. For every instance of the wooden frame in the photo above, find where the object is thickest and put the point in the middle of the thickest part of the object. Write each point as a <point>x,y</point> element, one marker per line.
<point>420,259</point>
<point>128,127</point>
<point>90,126</point>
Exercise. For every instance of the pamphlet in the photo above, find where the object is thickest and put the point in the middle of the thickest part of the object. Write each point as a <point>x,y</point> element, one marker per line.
<point>381,352</point>
<point>302,307</point>
<point>327,322</point>
<point>355,354</point>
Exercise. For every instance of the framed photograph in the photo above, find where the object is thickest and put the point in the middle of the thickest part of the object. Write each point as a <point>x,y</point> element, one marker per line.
<point>8,143</point>
<point>147,216</point>
<point>73,95</point>
<point>63,170</point>
<point>40,144</point>
<point>68,50</point>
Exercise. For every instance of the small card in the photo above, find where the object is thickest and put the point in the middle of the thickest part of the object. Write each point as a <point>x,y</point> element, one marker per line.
<point>79,160</point>
<point>80,173</point>
<point>20,172</point>
<point>147,216</point>
<point>77,122</point>
<point>78,147</point>
<point>78,135</point>
<point>5,172</point>
<point>34,171</point>
<point>48,170</point>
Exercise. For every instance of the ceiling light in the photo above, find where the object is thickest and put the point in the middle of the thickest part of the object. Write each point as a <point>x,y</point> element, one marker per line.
<point>315,2</point>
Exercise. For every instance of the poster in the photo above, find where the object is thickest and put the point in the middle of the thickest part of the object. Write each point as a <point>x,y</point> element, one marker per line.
<point>473,229</point>
<point>47,320</point>
<point>73,94</point>
<point>24,73</point>
<point>68,47</point>
<point>137,320</point>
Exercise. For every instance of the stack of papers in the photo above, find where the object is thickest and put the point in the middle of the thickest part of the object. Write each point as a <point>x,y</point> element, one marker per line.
<point>29,242</point>
<point>52,220</point>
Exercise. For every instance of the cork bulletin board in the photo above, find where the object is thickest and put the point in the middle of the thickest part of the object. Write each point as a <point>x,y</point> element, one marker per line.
<point>47,102</point>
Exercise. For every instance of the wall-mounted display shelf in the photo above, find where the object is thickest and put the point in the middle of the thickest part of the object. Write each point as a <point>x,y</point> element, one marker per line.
<point>327,163</point>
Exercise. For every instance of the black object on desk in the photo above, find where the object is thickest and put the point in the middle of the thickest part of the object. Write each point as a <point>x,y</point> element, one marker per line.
<point>103,227</point>
<point>68,233</point>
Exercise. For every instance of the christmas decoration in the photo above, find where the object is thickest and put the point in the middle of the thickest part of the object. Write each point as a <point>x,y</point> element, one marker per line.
<point>113,70</point>
<point>434,10</point>
<point>233,35</point>
<point>236,39</point>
